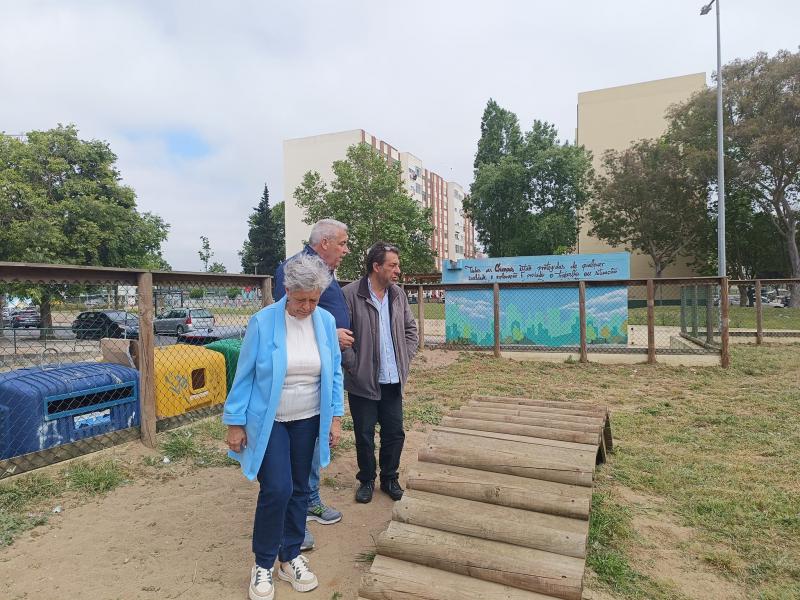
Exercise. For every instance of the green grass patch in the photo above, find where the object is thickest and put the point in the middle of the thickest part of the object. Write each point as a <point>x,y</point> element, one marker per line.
<point>94,478</point>
<point>609,530</point>
<point>26,501</point>
<point>433,310</point>
<point>197,446</point>
<point>740,317</point>
<point>429,413</point>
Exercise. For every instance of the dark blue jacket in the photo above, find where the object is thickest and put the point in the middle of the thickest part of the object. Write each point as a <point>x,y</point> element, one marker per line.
<point>331,299</point>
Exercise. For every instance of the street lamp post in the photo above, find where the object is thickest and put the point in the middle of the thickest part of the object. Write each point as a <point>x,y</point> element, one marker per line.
<point>720,153</point>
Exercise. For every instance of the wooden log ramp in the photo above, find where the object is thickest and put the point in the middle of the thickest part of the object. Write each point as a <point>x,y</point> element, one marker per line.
<point>497,505</point>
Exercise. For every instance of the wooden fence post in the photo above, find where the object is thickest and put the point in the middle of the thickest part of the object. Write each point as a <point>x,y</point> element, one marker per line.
<point>695,315</point>
<point>266,292</point>
<point>421,317</point>
<point>710,313</point>
<point>724,354</point>
<point>651,321</point>
<point>496,302</point>
<point>582,320</point>
<point>147,383</point>
<point>683,308</point>
<point>759,314</point>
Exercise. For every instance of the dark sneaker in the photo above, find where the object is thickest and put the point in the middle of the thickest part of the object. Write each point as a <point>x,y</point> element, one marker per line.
<point>364,492</point>
<point>392,488</point>
<point>308,541</point>
<point>323,514</point>
<point>297,573</point>
<point>261,584</point>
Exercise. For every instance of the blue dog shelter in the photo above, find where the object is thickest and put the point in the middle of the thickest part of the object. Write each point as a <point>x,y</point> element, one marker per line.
<point>44,407</point>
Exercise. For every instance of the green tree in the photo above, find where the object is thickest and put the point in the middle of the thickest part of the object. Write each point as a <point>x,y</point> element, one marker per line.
<point>527,188</point>
<point>62,201</point>
<point>217,267</point>
<point>761,113</point>
<point>368,195</point>
<point>649,201</point>
<point>264,247</point>
<point>205,253</point>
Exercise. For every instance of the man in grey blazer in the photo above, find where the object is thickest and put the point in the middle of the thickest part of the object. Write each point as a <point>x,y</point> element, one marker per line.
<point>376,368</point>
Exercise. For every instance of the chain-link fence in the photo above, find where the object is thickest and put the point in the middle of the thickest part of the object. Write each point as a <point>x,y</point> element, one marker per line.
<point>94,357</point>
<point>644,317</point>
<point>198,328</point>
<point>764,310</point>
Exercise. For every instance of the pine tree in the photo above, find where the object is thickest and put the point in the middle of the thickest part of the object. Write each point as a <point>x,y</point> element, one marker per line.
<point>264,248</point>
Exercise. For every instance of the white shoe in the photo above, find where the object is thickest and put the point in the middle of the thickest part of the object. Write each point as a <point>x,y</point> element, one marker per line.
<point>261,587</point>
<point>297,573</point>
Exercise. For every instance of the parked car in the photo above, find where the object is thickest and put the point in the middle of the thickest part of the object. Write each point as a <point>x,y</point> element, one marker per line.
<point>5,316</point>
<point>29,317</point>
<point>767,303</point>
<point>201,337</point>
<point>180,320</point>
<point>96,324</point>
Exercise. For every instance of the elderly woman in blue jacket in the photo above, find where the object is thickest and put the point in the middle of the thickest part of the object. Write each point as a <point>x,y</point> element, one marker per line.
<point>287,390</point>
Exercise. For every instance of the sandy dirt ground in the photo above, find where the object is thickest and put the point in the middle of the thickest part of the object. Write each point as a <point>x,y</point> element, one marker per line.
<point>187,536</point>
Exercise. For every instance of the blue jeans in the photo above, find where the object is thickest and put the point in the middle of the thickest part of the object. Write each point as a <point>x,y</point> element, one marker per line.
<point>313,479</point>
<point>280,521</point>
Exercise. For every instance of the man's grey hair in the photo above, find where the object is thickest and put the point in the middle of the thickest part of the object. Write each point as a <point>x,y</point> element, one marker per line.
<point>325,229</point>
<point>306,272</point>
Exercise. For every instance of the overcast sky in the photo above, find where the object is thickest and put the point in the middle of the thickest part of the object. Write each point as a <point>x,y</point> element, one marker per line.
<point>196,97</point>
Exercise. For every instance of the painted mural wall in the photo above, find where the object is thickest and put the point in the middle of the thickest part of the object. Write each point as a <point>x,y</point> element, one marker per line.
<point>546,316</point>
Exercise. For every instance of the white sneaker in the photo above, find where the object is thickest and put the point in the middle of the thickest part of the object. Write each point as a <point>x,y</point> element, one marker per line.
<point>297,573</point>
<point>261,587</point>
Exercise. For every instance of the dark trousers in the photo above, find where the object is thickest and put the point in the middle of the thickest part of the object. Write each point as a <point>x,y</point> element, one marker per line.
<point>388,411</point>
<point>280,521</point>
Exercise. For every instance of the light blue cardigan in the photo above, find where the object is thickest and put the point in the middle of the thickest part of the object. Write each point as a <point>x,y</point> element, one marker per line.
<point>256,390</point>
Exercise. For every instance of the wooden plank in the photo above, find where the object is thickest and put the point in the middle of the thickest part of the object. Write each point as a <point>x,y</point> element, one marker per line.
<point>147,384</point>
<point>496,307</point>
<point>392,579</point>
<point>266,292</point>
<point>651,322</point>
<point>724,354</point>
<point>580,437</point>
<point>582,321</point>
<point>551,533</point>
<point>504,490</point>
<point>488,560</point>
<point>562,465</point>
<point>421,319</point>
<point>608,439</point>
<point>510,437</point>
<point>532,411</point>
<point>534,402</point>
<point>759,314</point>
<point>540,421</point>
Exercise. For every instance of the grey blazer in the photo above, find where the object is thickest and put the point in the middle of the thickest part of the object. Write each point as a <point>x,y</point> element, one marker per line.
<point>361,363</point>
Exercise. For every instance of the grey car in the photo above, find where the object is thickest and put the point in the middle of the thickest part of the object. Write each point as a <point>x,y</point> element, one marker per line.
<point>180,320</point>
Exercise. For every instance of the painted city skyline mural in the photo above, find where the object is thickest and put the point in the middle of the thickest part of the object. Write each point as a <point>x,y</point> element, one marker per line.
<point>546,316</point>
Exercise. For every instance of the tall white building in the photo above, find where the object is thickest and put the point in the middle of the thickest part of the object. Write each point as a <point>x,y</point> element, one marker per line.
<point>453,235</point>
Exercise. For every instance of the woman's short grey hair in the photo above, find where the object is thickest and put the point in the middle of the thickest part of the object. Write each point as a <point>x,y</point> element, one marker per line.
<point>326,229</point>
<point>306,272</point>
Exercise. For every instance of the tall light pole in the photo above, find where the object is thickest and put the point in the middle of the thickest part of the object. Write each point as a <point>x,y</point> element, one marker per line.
<point>720,154</point>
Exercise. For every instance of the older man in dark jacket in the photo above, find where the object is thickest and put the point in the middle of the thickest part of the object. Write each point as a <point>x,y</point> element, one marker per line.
<point>376,367</point>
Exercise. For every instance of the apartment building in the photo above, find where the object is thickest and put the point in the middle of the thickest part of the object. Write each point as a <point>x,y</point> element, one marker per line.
<point>614,118</point>
<point>453,236</point>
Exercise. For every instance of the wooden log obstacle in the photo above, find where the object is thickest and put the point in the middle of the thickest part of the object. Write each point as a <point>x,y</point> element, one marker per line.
<point>497,506</point>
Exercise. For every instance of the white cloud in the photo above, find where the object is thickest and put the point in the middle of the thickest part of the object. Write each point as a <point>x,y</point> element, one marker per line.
<point>245,75</point>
